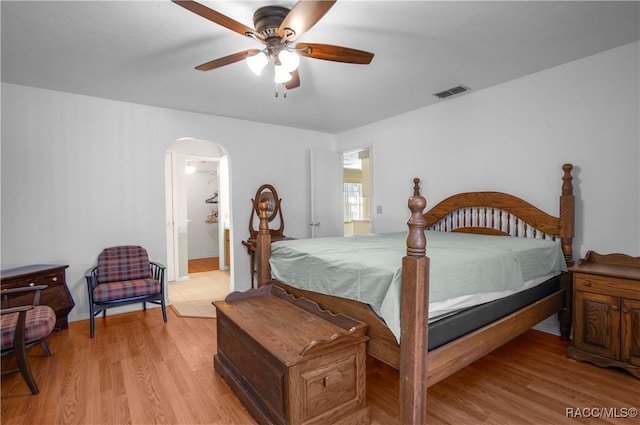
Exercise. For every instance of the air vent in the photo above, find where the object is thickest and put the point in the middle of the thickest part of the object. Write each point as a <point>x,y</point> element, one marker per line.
<point>451,92</point>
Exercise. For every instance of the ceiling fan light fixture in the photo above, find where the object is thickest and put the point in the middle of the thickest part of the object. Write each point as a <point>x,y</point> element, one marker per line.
<point>289,60</point>
<point>257,62</point>
<point>281,74</point>
<point>276,27</point>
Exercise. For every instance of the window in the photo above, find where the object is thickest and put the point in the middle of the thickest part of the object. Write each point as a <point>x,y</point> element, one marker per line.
<point>356,169</point>
<point>353,202</point>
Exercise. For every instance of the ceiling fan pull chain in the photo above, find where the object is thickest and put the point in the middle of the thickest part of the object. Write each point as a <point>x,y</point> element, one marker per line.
<point>284,91</point>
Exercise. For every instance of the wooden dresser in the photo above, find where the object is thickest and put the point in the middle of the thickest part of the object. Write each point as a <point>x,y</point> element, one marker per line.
<point>289,362</point>
<point>56,295</point>
<point>606,294</point>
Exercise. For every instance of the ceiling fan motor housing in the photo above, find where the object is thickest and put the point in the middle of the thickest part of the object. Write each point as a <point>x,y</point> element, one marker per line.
<point>267,20</point>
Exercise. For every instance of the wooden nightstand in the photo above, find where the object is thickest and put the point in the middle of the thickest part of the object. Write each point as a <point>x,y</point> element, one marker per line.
<point>289,362</point>
<point>606,313</point>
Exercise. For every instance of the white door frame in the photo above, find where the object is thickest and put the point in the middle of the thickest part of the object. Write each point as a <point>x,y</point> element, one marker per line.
<point>170,214</point>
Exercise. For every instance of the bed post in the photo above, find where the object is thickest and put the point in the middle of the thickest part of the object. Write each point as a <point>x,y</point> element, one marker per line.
<point>414,318</point>
<point>567,214</point>
<point>263,246</point>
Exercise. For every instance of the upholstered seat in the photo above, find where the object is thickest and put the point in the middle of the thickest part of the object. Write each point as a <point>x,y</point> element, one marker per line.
<point>110,291</point>
<point>124,275</point>
<point>23,327</point>
<point>39,322</point>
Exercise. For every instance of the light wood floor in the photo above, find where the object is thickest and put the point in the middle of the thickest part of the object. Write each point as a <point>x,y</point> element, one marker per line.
<point>138,370</point>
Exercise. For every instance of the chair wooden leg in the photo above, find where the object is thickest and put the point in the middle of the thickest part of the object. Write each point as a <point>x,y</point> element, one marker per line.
<point>21,354</point>
<point>45,348</point>
<point>164,311</point>
<point>92,322</point>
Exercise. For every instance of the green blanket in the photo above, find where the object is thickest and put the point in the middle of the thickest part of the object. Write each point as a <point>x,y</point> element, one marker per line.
<point>369,268</point>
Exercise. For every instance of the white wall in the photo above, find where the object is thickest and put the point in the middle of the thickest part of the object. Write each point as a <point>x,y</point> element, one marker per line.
<point>82,173</point>
<point>203,235</point>
<point>514,138</point>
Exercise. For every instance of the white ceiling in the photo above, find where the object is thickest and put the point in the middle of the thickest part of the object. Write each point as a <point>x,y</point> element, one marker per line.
<point>145,52</point>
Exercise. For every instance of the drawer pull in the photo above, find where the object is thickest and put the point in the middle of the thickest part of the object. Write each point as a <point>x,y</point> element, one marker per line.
<point>332,378</point>
<point>587,283</point>
<point>55,278</point>
<point>614,307</point>
<point>32,284</point>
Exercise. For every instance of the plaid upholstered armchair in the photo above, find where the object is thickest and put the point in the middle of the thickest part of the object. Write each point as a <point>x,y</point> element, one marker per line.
<point>24,327</point>
<point>124,275</point>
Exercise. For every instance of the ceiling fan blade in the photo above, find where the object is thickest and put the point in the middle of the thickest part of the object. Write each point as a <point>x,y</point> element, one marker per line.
<point>294,81</point>
<point>302,17</point>
<point>334,53</point>
<point>217,63</point>
<point>218,18</point>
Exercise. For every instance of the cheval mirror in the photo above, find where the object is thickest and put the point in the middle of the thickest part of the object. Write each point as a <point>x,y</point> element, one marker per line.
<point>266,193</point>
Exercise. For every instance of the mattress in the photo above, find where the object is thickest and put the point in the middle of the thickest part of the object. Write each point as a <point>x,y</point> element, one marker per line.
<point>467,320</point>
<point>462,267</point>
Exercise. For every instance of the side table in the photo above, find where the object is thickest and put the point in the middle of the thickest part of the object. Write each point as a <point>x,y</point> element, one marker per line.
<point>606,321</point>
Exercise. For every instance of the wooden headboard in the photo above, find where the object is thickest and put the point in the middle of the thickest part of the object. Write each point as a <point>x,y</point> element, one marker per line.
<point>497,213</point>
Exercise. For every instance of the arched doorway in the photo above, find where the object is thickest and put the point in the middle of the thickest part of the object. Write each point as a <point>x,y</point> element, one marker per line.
<point>197,209</point>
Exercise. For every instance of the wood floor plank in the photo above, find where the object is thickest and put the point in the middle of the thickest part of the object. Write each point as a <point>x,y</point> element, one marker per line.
<point>199,265</point>
<point>139,370</point>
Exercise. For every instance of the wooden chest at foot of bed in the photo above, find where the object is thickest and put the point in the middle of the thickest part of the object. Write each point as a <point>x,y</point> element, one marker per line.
<point>289,362</point>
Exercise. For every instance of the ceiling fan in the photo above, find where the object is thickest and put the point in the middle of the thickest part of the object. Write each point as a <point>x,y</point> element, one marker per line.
<point>277,28</point>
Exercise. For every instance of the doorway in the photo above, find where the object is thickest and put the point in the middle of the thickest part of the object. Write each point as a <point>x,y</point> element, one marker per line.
<point>357,189</point>
<point>198,226</point>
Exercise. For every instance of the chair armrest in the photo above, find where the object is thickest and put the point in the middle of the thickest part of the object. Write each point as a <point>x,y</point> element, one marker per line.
<point>23,289</point>
<point>89,273</point>
<point>10,291</point>
<point>16,309</point>
<point>157,272</point>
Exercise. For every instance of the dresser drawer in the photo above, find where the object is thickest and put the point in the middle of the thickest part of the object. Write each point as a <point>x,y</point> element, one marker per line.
<point>606,285</point>
<point>22,283</point>
<point>54,279</point>
<point>15,300</point>
<point>51,279</point>
<point>55,295</point>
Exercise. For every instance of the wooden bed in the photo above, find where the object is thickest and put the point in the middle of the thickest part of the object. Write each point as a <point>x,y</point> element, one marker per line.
<point>471,212</point>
